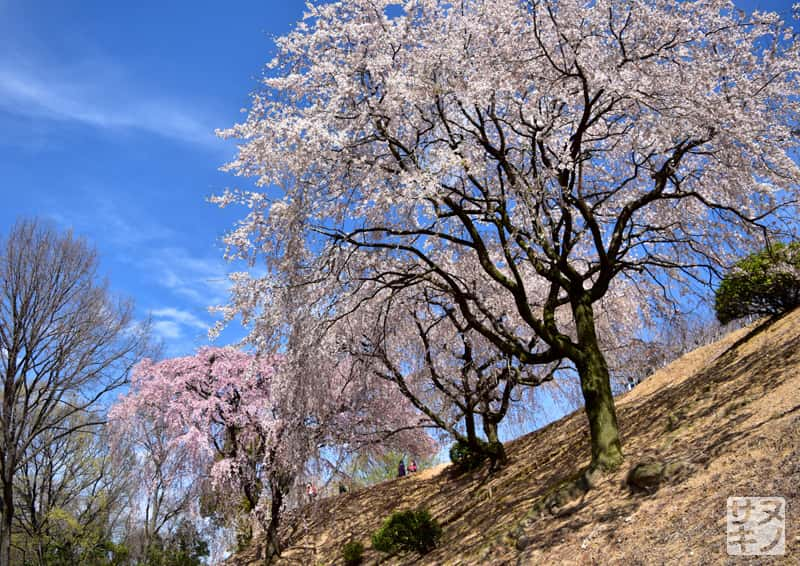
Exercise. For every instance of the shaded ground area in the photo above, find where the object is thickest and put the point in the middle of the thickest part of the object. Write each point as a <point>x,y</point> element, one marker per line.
<point>725,416</point>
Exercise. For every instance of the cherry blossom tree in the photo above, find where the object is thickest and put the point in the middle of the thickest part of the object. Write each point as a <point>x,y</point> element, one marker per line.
<point>215,409</point>
<point>449,372</point>
<point>250,424</point>
<point>416,338</point>
<point>562,147</point>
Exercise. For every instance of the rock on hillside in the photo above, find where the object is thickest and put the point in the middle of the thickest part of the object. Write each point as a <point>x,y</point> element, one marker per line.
<point>722,421</point>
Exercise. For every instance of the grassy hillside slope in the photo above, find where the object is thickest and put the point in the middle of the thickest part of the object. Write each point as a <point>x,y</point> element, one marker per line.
<point>726,416</point>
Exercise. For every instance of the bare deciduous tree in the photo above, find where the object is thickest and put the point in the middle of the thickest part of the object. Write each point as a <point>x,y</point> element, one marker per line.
<point>65,342</point>
<point>71,495</point>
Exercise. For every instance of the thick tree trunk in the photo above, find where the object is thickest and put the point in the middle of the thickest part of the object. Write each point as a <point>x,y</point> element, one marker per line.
<point>251,495</point>
<point>7,521</point>
<point>273,540</point>
<point>596,386</point>
<point>151,520</point>
<point>497,453</point>
<point>472,435</point>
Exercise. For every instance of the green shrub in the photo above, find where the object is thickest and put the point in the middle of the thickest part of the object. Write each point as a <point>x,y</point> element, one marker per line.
<point>466,457</point>
<point>353,553</point>
<point>763,283</point>
<point>412,530</point>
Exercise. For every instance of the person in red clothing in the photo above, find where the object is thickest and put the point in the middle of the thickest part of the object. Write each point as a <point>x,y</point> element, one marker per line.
<point>412,467</point>
<point>311,491</point>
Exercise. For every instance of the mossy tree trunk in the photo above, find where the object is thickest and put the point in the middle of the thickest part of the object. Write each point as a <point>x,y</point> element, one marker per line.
<point>273,550</point>
<point>495,449</point>
<point>469,424</point>
<point>596,387</point>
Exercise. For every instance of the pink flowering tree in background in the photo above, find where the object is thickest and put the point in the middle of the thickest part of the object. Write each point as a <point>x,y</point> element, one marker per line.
<point>250,425</point>
<point>566,150</point>
<point>185,416</point>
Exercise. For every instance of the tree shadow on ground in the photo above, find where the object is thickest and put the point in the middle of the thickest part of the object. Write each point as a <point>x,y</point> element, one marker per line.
<point>695,420</point>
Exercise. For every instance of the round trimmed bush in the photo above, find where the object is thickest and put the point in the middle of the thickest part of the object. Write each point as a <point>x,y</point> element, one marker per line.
<point>466,457</point>
<point>353,553</point>
<point>764,283</point>
<point>412,530</point>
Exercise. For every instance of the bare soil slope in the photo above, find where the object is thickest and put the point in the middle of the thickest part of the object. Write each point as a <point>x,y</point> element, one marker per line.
<point>727,415</point>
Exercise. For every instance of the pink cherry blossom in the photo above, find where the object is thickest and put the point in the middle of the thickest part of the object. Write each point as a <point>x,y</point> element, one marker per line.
<point>537,160</point>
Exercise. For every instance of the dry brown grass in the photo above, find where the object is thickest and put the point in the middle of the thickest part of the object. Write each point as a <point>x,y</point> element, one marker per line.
<point>729,410</point>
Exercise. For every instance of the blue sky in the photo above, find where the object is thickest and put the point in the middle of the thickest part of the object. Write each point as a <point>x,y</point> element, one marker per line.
<point>107,113</point>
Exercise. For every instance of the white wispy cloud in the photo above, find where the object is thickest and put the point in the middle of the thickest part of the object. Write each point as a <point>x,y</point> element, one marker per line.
<point>180,330</point>
<point>98,94</point>
<point>201,280</point>
<point>123,230</point>
<point>180,284</point>
<point>167,330</point>
<point>179,317</point>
